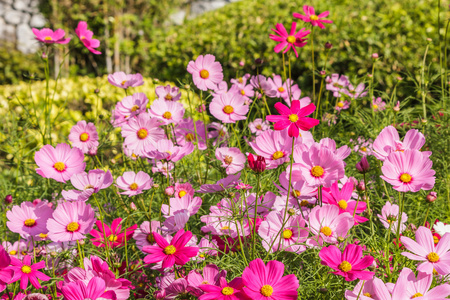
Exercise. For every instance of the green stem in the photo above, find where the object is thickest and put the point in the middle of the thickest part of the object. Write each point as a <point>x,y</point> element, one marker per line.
<point>368,203</point>
<point>401,204</point>
<point>426,215</point>
<point>256,212</point>
<point>313,66</point>
<point>423,84</point>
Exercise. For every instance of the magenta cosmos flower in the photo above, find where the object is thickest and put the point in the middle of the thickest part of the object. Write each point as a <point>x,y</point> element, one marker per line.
<point>115,238</point>
<point>232,159</point>
<point>174,253</point>
<point>133,183</point>
<point>206,72</point>
<point>311,17</point>
<point>71,221</point>
<point>291,40</point>
<point>47,36</point>
<point>84,136</point>
<point>350,264</point>
<point>124,81</point>
<point>85,37</point>
<point>408,171</point>
<point>294,118</point>
<point>6,274</point>
<point>266,282</point>
<point>328,225</point>
<point>223,290</point>
<point>25,271</point>
<point>94,290</point>
<point>59,163</point>
<point>168,93</point>
<point>128,108</point>
<point>424,249</point>
<point>167,112</point>
<point>229,107</point>
<point>142,133</point>
<point>29,220</point>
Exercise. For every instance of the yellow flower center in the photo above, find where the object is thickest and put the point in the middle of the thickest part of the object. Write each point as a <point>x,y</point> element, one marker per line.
<point>113,238</point>
<point>281,89</point>
<point>123,82</point>
<point>189,137</point>
<point>227,291</point>
<point>287,233</point>
<point>240,80</point>
<point>296,193</point>
<point>59,166</point>
<point>326,231</point>
<point>150,238</point>
<point>363,149</point>
<point>89,186</point>
<point>181,193</point>
<point>242,92</point>
<point>13,252</point>
<point>314,18</point>
<point>84,137</point>
<point>405,177</point>
<point>345,266</point>
<point>375,106</point>
<point>433,257</point>
<point>167,115</point>
<point>48,38</point>
<point>228,109</point>
<point>168,97</point>
<point>277,155</point>
<point>169,250</point>
<point>435,239</point>
<point>267,290</point>
<point>293,118</point>
<point>225,228</point>
<point>135,108</point>
<point>416,295</point>
<point>317,171</point>
<point>228,159</point>
<point>340,104</point>
<point>43,235</point>
<point>342,204</point>
<point>304,203</point>
<point>204,74</point>
<point>142,133</point>
<point>367,295</point>
<point>73,226</point>
<point>259,127</point>
<point>26,269</point>
<point>291,39</point>
<point>29,222</point>
<point>133,186</point>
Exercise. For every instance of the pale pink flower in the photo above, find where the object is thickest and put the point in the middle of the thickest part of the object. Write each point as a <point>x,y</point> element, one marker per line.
<point>245,91</point>
<point>210,275</point>
<point>134,184</point>
<point>328,225</point>
<point>232,159</point>
<point>342,105</point>
<point>219,132</point>
<point>206,248</point>
<point>224,183</point>
<point>355,93</point>
<point>362,146</point>
<point>189,203</point>
<point>229,108</point>
<point>389,217</point>
<point>296,93</point>
<point>337,84</point>
<point>164,168</point>
<point>176,221</point>
<point>374,288</point>
<point>71,221</point>
<point>144,234</point>
<point>265,204</point>
<point>283,90</point>
<point>47,36</point>
<point>241,80</point>
<point>124,81</point>
<point>87,184</point>
<point>167,112</point>
<point>168,93</point>
<point>185,133</point>
<point>29,220</point>
<point>378,104</point>
<point>183,189</point>
<point>84,136</point>
<point>300,191</point>
<point>206,72</point>
<point>129,107</point>
<point>258,126</point>
<point>85,37</point>
<point>18,248</point>
<point>165,150</point>
<point>341,153</point>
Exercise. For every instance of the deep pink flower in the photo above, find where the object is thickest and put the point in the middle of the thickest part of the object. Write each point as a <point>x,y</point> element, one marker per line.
<point>133,183</point>
<point>71,221</point>
<point>94,290</point>
<point>206,72</point>
<point>84,136</point>
<point>114,236</point>
<point>232,159</point>
<point>6,274</point>
<point>350,264</point>
<point>408,171</point>
<point>29,220</point>
<point>229,107</point>
<point>47,36</point>
<point>363,165</point>
<point>290,40</point>
<point>59,163</point>
<point>124,81</point>
<point>85,37</point>
<point>258,165</point>
<point>266,282</point>
<point>294,118</point>
<point>210,275</point>
<point>174,253</point>
<point>168,93</point>
<point>224,290</point>
<point>25,271</point>
<point>432,257</point>
<point>311,17</point>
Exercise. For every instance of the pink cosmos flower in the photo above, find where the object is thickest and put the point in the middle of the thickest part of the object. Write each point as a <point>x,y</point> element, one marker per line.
<point>408,171</point>
<point>114,237</point>
<point>291,40</point>
<point>232,159</point>
<point>224,183</point>
<point>164,168</point>
<point>29,220</point>
<point>6,274</point>
<point>388,141</point>
<point>245,91</point>
<point>144,234</point>
<point>311,17</point>
<point>191,204</point>
<point>206,72</point>
<point>84,136</point>
<point>296,93</point>
<point>389,217</point>
<point>362,146</point>
<point>326,223</point>
<point>355,93</point>
<point>337,84</point>
<point>176,221</point>
<point>210,275</point>
<point>240,80</point>
<point>294,118</point>
<point>124,81</point>
<point>300,190</point>
<point>378,104</point>
<point>170,254</point>
<point>229,108</point>
<point>133,183</point>
<point>342,199</point>
<point>318,166</point>
<point>168,93</point>
<point>266,282</point>
<point>224,290</point>
<point>87,184</point>
<point>17,248</point>
<point>374,288</point>
<point>350,264</point>
<point>424,250</point>
<point>342,105</point>
<point>167,112</point>
<point>185,133</point>
<point>206,248</point>
<point>266,86</point>
<point>282,90</point>
<point>219,133</point>
<point>59,163</point>
<point>85,37</point>
<point>183,189</point>
<point>165,150</point>
<point>71,221</point>
<point>25,271</point>
<point>293,236</point>
<point>258,126</point>
<point>129,107</point>
<point>47,36</point>
<point>142,133</point>
<point>94,290</point>
<point>341,153</point>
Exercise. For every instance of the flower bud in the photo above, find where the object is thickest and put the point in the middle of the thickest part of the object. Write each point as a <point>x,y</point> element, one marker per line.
<point>431,197</point>
<point>396,108</point>
<point>258,165</point>
<point>258,62</point>
<point>97,91</point>
<point>36,201</point>
<point>291,211</point>
<point>81,242</point>
<point>242,63</point>
<point>323,73</point>
<point>201,108</point>
<point>363,166</point>
<point>44,56</point>
<point>424,121</point>
<point>369,75</point>
<point>375,56</point>
<point>328,45</point>
<point>323,290</point>
<point>8,199</point>
<point>169,191</point>
<point>361,186</point>
<point>133,206</point>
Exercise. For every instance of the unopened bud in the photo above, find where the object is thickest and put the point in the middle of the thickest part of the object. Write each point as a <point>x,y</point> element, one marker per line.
<point>361,186</point>
<point>169,191</point>
<point>36,201</point>
<point>424,121</point>
<point>340,239</point>
<point>155,185</point>
<point>396,108</point>
<point>258,61</point>
<point>431,197</point>
<point>291,212</point>
<point>8,199</point>
<point>328,45</point>
<point>97,91</point>
<point>81,242</point>
<point>323,73</point>
<point>369,75</point>
<point>375,55</point>
<point>242,63</point>
<point>323,290</point>
<point>133,206</point>
<point>44,56</point>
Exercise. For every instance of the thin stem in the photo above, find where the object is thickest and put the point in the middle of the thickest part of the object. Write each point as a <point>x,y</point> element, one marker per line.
<point>423,84</point>
<point>426,215</point>
<point>368,203</point>
<point>254,220</point>
<point>402,202</point>
<point>313,65</point>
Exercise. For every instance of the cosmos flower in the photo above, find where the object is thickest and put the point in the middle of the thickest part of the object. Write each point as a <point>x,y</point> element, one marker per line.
<point>328,225</point>
<point>133,183</point>
<point>85,37</point>
<point>47,36</point>
<point>129,107</point>
<point>84,136</point>
<point>93,290</point>
<point>378,104</point>
<point>114,236</point>
<point>229,108</point>
<point>311,17</point>
<point>206,72</point>
<point>168,93</point>
<point>167,112</point>
<point>26,271</point>
<point>29,220</point>
<point>124,81</point>
<point>223,290</point>
<point>232,159</point>
<point>144,234</point>
<point>287,41</point>
<point>87,184</point>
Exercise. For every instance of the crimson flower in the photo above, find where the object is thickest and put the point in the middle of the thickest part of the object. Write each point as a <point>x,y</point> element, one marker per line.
<point>113,234</point>
<point>258,165</point>
<point>310,16</point>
